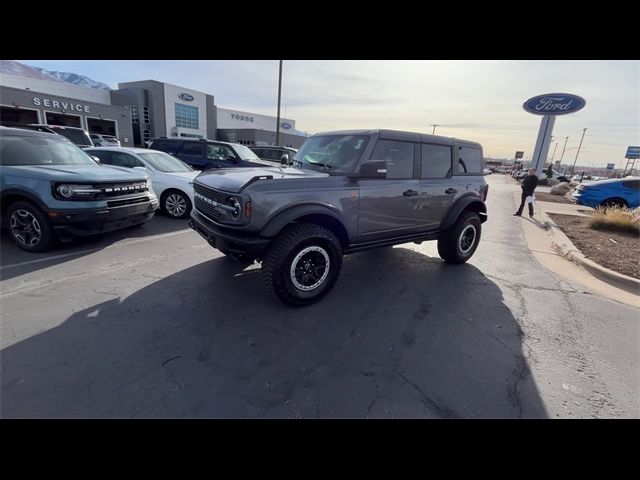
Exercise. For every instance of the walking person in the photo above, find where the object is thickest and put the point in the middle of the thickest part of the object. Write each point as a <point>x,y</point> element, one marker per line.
<point>529,185</point>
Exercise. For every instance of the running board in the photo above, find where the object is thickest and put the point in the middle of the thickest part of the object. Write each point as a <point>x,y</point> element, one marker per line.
<point>421,237</point>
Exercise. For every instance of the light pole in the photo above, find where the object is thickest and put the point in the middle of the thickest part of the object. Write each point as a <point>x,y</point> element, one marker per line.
<point>434,125</point>
<point>563,148</point>
<point>279,91</point>
<point>580,145</point>
<point>554,153</point>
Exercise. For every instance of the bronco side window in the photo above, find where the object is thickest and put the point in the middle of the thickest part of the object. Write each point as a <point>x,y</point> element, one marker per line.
<point>469,161</point>
<point>398,155</point>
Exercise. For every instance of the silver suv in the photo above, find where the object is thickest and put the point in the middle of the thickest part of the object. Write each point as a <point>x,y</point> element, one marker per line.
<point>347,191</point>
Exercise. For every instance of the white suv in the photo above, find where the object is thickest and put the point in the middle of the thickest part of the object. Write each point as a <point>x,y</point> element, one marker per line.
<point>104,140</point>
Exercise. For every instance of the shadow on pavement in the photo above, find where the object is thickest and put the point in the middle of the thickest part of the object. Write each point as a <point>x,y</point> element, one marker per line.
<point>11,255</point>
<point>401,335</point>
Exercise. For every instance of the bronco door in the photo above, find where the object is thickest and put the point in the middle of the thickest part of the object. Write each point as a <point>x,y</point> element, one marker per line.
<point>388,207</point>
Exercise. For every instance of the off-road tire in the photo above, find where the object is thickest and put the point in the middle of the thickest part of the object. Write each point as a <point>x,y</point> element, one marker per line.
<point>449,243</point>
<point>278,260</point>
<point>613,203</point>
<point>47,236</point>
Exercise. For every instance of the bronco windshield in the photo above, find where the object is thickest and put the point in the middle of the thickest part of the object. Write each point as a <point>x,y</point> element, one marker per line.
<point>19,150</point>
<point>331,152</point>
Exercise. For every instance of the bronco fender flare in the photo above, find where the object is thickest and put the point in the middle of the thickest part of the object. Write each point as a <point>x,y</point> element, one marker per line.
<point>291,214</point>
<point>12,191</point>
<point>467,202</point>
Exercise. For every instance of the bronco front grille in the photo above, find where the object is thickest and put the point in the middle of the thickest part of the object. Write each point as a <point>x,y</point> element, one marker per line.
<point>207,210</point>
<point>129,201</point>
<point>213,194</point>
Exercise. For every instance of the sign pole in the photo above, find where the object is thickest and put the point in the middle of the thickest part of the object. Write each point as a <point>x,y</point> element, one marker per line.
<point>543,142</point>
<point>279,91</point>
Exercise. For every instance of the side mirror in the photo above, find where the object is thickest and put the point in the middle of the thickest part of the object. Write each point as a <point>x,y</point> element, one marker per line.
<point>284,159</point>
<point>96,159</point>
<point>374,169</point>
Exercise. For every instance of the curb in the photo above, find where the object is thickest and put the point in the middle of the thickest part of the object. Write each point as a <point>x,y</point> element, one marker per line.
<point>561,244</point>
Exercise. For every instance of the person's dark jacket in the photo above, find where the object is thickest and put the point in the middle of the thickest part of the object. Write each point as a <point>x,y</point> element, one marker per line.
<point>529,184</point>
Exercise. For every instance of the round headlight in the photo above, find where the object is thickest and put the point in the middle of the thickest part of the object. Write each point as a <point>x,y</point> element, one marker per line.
<point>233,202</point>
<point>65,190</point>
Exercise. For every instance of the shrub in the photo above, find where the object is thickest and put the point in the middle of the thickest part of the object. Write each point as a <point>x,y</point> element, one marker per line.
<point>616,219</point>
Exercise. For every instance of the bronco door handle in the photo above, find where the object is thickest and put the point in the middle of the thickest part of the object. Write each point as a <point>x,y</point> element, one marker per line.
<point>451,190</point>
<point>410,193</point>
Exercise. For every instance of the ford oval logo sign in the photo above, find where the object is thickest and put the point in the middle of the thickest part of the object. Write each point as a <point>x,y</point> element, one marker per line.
<point>554,104</point>
<point>186,97</point>
<point>286,125</point>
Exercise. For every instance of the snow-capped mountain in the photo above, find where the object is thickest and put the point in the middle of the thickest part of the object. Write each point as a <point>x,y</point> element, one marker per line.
<point>12,67</point>
<point>74,79</point>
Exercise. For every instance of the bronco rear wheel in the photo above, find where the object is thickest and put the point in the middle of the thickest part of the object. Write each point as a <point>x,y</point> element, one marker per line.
<point>458,244</point>
<point>302,264</point>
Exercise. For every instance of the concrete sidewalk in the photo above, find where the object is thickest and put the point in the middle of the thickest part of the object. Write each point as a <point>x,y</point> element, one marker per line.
<point>540,240</point>
<point>563,208</point>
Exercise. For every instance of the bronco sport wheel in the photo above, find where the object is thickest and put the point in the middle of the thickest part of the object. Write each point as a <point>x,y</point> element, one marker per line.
<point>29,228</point>
<point>458,244</point>
<point>302,263</point>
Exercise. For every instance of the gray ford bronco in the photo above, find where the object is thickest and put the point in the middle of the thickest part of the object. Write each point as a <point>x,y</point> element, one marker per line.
<point>344,192</point>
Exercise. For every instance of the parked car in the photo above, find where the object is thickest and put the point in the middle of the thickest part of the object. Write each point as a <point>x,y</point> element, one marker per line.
<point>348,191</point>
<point>561,177</point>
<point>100,140</point>
<point>203,154</point>
<point>171,178</point>
<point>618,192</point>
<point>50,189</point>
<point>77,135</point>
<point>273,154</point>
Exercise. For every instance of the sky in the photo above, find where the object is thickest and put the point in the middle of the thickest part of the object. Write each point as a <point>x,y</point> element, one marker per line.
<point>477,100</point>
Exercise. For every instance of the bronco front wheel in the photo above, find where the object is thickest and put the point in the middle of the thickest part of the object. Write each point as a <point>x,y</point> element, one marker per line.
<point>302,264</point>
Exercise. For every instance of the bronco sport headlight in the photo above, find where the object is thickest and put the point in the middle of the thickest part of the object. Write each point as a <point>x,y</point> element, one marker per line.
<point>71,191</point>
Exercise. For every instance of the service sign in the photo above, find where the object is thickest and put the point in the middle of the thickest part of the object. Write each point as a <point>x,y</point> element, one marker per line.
<point>519,154</point>
<point>632,152</point>
<point>610,166</point>
<point>554,104</point>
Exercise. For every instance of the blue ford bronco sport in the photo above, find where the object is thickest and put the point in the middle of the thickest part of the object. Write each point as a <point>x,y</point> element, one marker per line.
<point>52,190</point>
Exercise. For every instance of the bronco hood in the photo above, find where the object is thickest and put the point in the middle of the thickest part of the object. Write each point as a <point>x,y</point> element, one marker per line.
<point>235,179</point>
<point>77,173</point>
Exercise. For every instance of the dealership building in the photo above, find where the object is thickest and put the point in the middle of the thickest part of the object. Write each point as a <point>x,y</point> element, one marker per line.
<point>137,112</point>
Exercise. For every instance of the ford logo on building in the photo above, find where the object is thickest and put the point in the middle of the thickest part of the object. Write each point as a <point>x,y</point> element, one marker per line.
<point>285,125</point>
<point>187,97</point>
<point>554,104</point>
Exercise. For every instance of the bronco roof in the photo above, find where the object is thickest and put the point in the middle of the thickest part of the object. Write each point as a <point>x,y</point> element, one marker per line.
<point>402,135</point>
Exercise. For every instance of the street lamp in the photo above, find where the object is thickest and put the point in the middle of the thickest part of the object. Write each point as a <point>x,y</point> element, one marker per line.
<point>580,145</point>
<point>434,125</point>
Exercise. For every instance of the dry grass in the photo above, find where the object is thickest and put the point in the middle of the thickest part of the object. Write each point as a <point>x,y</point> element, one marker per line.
<point>616,219</point>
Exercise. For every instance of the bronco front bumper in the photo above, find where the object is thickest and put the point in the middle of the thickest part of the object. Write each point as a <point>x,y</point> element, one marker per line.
<point>227,239</point>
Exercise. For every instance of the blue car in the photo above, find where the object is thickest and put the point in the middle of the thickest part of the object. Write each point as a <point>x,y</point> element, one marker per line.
<point>52,190</point>
<point>617,192</point>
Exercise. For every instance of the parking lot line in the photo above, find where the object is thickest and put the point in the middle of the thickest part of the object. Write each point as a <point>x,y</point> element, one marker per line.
<point>90,250</point>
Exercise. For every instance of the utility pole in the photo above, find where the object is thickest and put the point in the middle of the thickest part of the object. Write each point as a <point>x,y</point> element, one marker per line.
<point>279,91</point>
<point>563,148</point>
<point>580,145</point>
<point>434,125</point>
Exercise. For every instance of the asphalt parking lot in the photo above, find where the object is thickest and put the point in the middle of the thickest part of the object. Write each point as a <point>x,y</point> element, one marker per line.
<point>152,322</point>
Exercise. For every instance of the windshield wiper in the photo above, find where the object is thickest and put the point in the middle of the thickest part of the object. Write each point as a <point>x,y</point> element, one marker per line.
<point>320,163</point>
